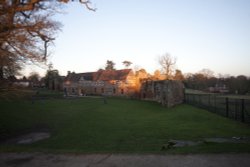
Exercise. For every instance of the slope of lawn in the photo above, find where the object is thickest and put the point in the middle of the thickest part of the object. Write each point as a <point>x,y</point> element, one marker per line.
<point>87,125</point>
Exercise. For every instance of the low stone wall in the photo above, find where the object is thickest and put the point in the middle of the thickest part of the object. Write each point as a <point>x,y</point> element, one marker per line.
<point>166,92</point>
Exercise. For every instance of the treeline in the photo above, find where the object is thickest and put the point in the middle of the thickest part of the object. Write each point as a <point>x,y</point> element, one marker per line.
<point>233,85</point>
<point>204,80</point>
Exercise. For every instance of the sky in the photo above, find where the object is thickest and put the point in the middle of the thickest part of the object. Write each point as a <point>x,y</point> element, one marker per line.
<point>201,34</point>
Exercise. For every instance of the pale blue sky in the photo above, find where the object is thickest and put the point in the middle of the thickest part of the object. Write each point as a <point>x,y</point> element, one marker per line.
<point>213,34</point>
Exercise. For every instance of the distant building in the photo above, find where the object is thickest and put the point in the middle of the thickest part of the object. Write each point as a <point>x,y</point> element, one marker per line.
<point>102,82</point>
<point>218,88</point>
<point>21,82</point>
<point>124,83</point>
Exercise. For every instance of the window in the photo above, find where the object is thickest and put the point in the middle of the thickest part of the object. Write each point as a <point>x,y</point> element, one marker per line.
<point>102,90</point>
<point>82,79</point>
<point>114,91</point>
<point>122,91</point>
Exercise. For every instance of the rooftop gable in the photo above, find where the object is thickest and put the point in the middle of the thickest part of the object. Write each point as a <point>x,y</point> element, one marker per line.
<point>75,77</point>
<point>101,75</point>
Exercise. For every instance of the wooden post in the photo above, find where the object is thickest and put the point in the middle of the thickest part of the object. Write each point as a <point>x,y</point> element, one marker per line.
<point>242,110</point>
<point>184,98</point>
<point>215,109</point>
<point>209,100</point>
<point>236,107</point>
<point>227,106</point>
<point>199,100</point>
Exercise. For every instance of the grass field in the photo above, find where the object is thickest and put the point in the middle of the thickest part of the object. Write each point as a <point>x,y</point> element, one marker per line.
<point>87,125</point>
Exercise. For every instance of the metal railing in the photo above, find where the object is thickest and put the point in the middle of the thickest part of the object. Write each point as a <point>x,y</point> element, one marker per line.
<point>234,107</point>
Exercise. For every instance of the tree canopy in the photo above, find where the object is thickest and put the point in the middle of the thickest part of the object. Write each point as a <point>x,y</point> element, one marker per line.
<point>178,75</point>
<point>110,65</point>
<point>127,63</point>
<point>27,30</point>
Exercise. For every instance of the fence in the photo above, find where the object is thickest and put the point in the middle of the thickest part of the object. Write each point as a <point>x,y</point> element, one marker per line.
<point>234,107</point>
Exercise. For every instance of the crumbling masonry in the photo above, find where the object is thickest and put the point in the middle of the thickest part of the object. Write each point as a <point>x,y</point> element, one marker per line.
<point>167,92</point>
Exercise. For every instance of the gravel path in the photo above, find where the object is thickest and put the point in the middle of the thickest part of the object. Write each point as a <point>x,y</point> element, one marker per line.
<point>123,160</point>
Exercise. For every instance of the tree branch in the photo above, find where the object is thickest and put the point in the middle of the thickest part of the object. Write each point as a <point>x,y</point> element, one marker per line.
<point>87,3</point>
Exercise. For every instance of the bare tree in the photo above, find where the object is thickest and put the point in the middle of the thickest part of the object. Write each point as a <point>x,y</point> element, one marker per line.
<point>27,30</point>
<point>207,73</point>
<point>168,65</point>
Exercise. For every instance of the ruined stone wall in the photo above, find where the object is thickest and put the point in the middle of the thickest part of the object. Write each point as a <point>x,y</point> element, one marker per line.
<point>166,92</point>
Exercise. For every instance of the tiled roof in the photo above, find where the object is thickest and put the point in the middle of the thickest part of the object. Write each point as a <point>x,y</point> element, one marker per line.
<point>101,75</point>
<point>107,75</point>
<point>75,77</point>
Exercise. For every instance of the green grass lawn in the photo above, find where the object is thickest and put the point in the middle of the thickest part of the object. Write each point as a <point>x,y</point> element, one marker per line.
<point>87,125</point>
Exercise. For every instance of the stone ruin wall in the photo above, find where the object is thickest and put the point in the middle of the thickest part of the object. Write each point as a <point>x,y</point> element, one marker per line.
<point>167,92</point>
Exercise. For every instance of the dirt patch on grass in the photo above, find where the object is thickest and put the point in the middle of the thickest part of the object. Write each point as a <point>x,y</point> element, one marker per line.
<point>28,136</point>
<point>183,143</point>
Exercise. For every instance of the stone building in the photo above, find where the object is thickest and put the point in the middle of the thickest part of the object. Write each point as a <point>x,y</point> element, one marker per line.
<point>124,83</point>
<point>166,92</point>
<point>102,82</point>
